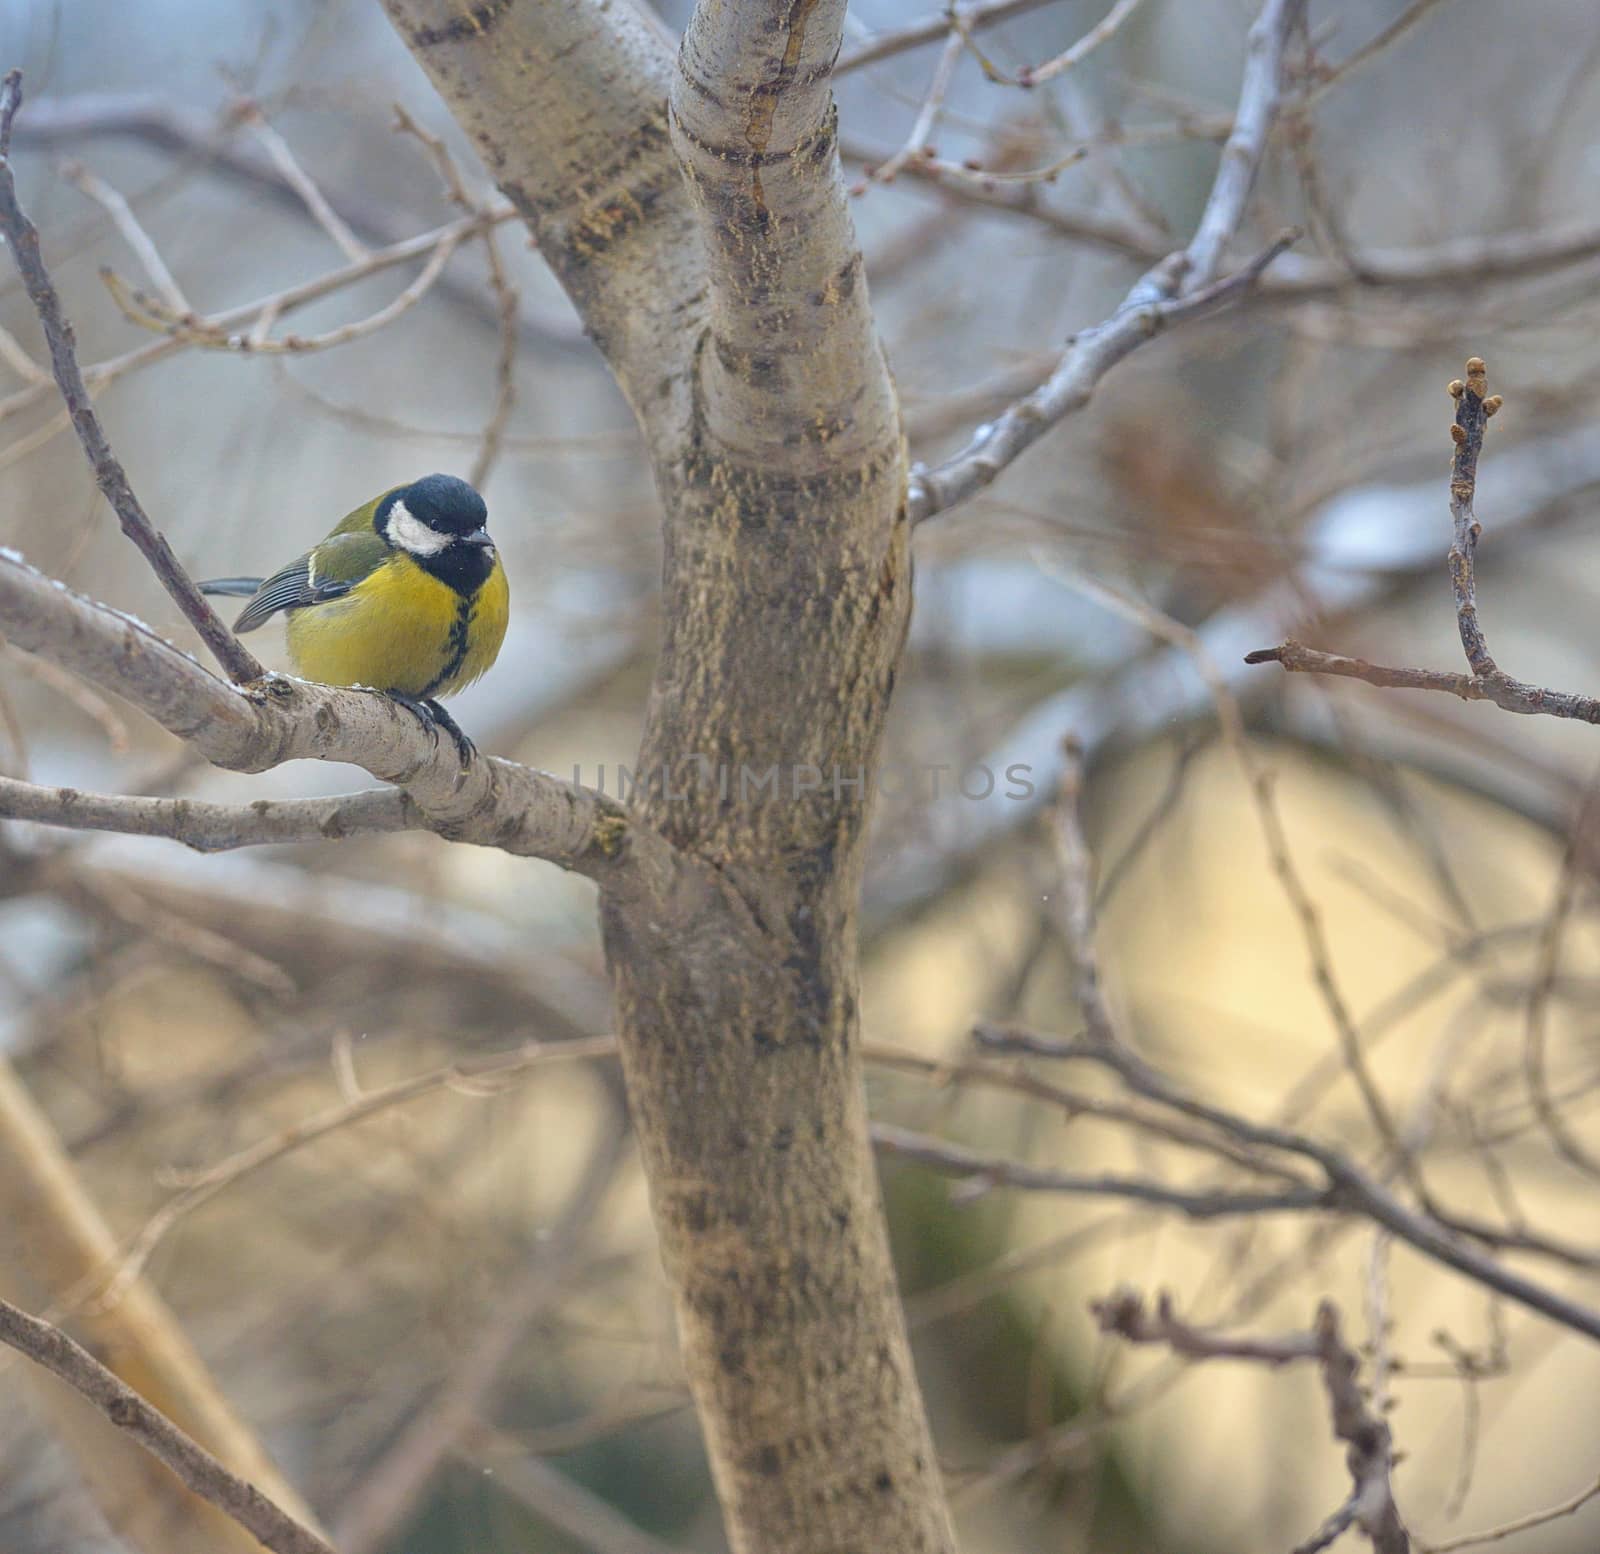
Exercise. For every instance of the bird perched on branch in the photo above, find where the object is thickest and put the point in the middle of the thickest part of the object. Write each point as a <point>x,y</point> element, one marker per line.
<point>406,596</point>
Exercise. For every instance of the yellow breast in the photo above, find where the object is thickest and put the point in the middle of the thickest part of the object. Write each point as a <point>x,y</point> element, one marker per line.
<point>401,629</point>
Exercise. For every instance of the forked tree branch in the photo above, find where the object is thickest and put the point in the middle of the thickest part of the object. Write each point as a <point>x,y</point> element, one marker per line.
<point>1182,285</point>
<point>931,29</point>
<point>253,316</point>
<point>1370,1447</point>
<point>1095,228</point>
<point>1485,681</point>
<point>22,237</point>
<point>1507,693</point>
<point>1431,267</point>
<point>251,729</point>
<point>48,1346</point>
<point>1349,1189</point>
<point>1150,308</point>
<point>210,138</point>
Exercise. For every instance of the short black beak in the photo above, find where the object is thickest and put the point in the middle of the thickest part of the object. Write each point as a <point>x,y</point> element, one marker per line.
<point>479,538</point>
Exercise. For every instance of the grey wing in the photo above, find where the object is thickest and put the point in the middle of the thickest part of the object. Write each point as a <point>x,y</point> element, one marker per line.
<point>289,589</point>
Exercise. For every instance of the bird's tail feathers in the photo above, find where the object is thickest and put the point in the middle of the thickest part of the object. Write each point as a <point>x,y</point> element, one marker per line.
<point>235,587</point>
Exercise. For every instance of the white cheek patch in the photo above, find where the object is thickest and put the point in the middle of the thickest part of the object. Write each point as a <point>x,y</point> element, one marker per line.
<point>412,534</point>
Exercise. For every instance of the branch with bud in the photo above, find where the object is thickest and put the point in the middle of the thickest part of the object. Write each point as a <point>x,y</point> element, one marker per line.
<point>1486,681</point>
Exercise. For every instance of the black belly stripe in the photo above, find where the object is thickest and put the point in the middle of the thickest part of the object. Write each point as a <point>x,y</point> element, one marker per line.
<point>455,648</point>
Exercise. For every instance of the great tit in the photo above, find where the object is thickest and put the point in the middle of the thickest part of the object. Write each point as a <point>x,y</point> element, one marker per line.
<point>406,596</point>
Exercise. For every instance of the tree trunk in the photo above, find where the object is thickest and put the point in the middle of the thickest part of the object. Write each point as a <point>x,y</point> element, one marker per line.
<point>710,251</point>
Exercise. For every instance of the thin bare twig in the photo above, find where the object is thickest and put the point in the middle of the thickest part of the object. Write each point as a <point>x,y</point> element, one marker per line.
<point>22,237</point>
<point>1534,1067</point>
<point>397,1481</point>
<point>1513,255</point>
<point>1074,1104</point>
<point>49,1347</point>
<point>132,232</point>
<point>1014,196</point>
<point>508,304</point>
<point>206,827</point>
<point>1371,1447</point>
<point>1487,681</point>
<point>1330,1531</point>
<point>1370,1454</point>
<point>84,697</point>
<point>15,734</point>
<point>1474,406</point>
<point>1470,1368</point>
<point>298,179</point>
<point>1351,1190</point>
<point>928,115</point>
<point>107,896</point>
<point>1509,694</point>
<point>1375,45</point>
<point>100,374</point>
<point>1124,1313</point>
<point>215,333</point>
<point>1073,900</point>
<point>984,1171</point>
<point>18,360</point>
<point>932,28</point>
<point>1183,285</point>
<point>151,313</point>
<point>507,300</point>
<point>10,103</point>
<point>482,1075</point>
<point>1379,1323</point>
<point>1260,786</point>
<point>1324,221</point>
<point>1102,32</point>
<point>1260,94</point>
<point>554,1496</point>
<point>1519,1524</point>
<point>205,139</point>
<point>1149,308</point>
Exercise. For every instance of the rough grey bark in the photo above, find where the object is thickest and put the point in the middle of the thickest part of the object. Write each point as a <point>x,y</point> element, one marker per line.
<point>709,249</point>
